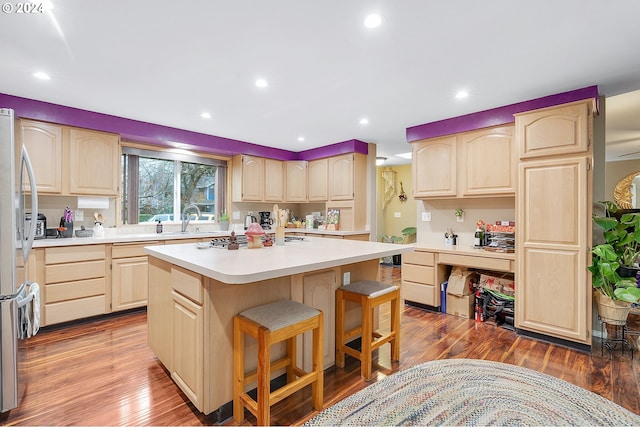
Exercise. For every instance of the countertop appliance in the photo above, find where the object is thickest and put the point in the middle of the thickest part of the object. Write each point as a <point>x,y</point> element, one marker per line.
<point>250,218</point>
<point>265,220</point>
<point>14,242</point>
<point>41,225</point>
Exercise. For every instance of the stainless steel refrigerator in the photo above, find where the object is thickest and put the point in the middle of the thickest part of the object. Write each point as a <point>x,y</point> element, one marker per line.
<point>16,176</point>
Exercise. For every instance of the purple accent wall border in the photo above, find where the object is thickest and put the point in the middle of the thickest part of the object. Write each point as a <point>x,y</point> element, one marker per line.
<point>495,116</point>
<point>164,136</point>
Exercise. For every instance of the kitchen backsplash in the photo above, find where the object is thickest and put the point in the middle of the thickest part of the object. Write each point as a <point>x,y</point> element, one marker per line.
<point>53,208</point>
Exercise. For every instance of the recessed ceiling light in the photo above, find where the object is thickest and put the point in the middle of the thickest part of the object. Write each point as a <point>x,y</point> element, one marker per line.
<point>462,94</point>
<point>261,83</point>
<point>372,21</point>
<point>404,155</point>
<point>380,160</point>
<point>301,138</point>
<point>205,115</point>
<point>364,121</point>
<point>41,75</point>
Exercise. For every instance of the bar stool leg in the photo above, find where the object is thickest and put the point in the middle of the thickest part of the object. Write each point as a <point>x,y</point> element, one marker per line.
<point>292,356</point>
<point>264,374</point>
<point>238,367</point>
<point>367,336</point>
<point>340,304</point>
<point>395,328</point>
<point>317,387</point>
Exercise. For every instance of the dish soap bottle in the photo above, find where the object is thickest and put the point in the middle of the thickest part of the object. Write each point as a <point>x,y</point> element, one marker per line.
<point>159,227</point>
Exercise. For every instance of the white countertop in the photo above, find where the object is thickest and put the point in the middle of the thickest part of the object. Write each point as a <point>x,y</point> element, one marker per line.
<point>251,265</point>
<point>146,237</point>
<point>464,250</point>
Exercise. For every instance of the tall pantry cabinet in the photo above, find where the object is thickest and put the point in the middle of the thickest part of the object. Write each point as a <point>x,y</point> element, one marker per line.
<point>553,214</point>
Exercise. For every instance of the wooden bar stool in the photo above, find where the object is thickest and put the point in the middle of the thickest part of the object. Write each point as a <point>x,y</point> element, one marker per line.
<point>270,324</point>
<point>369,294</point>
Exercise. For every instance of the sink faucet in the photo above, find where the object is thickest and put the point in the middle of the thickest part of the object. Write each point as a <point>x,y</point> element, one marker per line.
<point>186,218</point>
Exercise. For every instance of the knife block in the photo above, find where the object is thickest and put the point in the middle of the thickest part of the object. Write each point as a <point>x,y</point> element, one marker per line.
<point>69,231</point>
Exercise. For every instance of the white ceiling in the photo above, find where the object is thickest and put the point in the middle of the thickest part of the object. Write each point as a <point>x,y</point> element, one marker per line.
<point>166,62</point>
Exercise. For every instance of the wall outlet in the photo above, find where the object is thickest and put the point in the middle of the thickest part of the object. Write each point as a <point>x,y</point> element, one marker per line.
<point>236,215</point>
<point>460,218</point>
<point>426,216</point>
<point>78,215</point>
<point>346,278</point>
<point>396,214</point>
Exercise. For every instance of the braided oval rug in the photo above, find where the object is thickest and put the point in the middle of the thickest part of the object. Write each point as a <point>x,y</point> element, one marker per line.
<point>473,392</point>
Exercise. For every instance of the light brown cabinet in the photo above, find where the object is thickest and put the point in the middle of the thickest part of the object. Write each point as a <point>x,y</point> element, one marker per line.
<point>319,292</point>
<point>342,179</point>
<point>296,181</point>
<point>348,189</point>
<point>553,212</point>
<point>318,179</point>
<point>480,163</point>
<point>419,278</point>
<point>434,167</point>
<point>129,276</point>
<point>256,179</point>
<point>74,283</point>
<point>188,334</point>
<point>72,161</point>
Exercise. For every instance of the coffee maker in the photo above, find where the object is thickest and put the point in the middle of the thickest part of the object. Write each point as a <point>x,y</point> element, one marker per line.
<point>265,220</point>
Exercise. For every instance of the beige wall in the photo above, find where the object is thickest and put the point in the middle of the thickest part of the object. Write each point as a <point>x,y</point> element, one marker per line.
<point>615,171</point>
<point>388,222</point>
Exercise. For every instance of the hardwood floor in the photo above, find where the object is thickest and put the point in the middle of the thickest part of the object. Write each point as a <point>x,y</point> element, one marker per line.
<point>102,372</point>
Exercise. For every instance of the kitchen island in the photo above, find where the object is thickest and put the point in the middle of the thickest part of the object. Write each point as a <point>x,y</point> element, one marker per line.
<point>194,294</point>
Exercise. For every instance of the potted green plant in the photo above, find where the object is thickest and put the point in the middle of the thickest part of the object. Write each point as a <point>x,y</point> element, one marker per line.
<point>622,232</point>
<point>615,294</point>
<point>223,219</point>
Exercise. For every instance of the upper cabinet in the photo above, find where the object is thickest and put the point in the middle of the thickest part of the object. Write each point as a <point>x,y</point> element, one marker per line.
<point>296,181</point>
<point>555,130</point>
<point>72,161</point>
<point>342,177</point>
<point>43,142</point>
<point>348,188</point>
<point>317,179</point>
<point>256,179</point>
<point>434,167</point>
<point>489,159</point>
<point>472,164</point>
<point>95,159</point>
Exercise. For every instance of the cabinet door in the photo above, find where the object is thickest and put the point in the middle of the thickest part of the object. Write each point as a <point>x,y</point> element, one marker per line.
<point>159,319</point>
<point>273,180</point>
<point>188,354</point>
<point>489,162</point>
<point>318,178</point>
<point>44,145</point>
<point>553,290</point>
<point>319,292</point>
<point>130,282</point>
<point>252,178</point>
<point>95,162</point>
<point>565,129</point>
<point>341,177</point>
<point>434,167</point>
<point>296,178</point>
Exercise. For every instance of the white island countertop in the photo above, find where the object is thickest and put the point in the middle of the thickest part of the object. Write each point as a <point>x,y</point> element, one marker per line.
<point>251,265</point>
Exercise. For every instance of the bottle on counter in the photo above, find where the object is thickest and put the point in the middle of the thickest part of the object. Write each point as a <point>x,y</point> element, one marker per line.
<point>159,227</point>
<point>478,238</point>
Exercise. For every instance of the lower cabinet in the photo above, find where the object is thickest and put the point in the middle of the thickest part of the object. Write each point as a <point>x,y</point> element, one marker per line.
<point>419,278</point>
<point>129,276</point>
<point>319,292</point>
<point>74,283</point>
<point>188,334</point>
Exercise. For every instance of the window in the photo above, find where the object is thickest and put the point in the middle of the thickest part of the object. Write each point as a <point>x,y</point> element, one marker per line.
<point>158,186</point>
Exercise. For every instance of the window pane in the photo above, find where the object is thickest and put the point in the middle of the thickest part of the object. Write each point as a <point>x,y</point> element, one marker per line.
<point>197,186</point>
<point>155,190</point>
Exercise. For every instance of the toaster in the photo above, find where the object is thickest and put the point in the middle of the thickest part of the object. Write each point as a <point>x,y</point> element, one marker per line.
<point>40,224</point>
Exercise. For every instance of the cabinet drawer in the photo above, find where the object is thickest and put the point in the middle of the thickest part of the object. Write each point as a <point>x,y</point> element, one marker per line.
<point>187,283</point>
<point>475,262</point>
<point>418,273</point>
<point>419,257</point>
<point>76,271</point>
<point>423,294</point>
<point>130,250</point>
<point>73,254</point>
<point>74,309</point>
<point>73,290</point>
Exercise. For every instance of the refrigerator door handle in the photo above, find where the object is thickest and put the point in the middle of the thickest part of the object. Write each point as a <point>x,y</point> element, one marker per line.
<point>26,162</point>
<point>13,296</point>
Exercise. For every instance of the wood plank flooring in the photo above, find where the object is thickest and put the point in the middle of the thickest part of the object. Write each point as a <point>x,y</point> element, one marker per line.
<point>101,372</point>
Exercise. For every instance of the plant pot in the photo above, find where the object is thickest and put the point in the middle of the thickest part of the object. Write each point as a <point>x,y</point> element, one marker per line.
<point>224,225</point>
<point>610,311</point>
<point>625,271</point>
